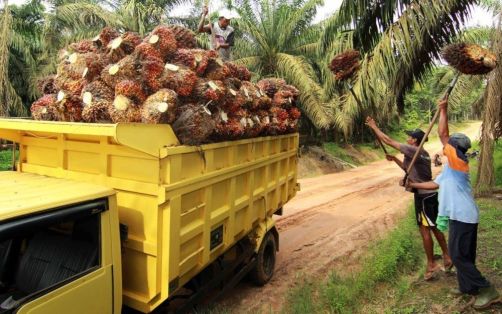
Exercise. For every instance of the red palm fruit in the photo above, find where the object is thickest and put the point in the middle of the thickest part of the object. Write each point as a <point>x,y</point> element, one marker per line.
<point>178,78</point>
<point>185,38</point>
<point>160,107</point>
<point>132,90</point>
<point>84,46</point>
<point>229,130</point>
<point>69,107</point>
<point>207,90</point>
<point>95,63</point>
<point>196,59</point>
<point>345,64</point>
<point>270,86</point>
<point>217,70</point>
<point>145,51</point>
<point>294,113</point>
<point>123,110</point>
<point>69,86</point>
<point>239,71</point>
<point>152,69</point>
<point>163,40</point>
<point>98,111</point>
<point>96,91</point>
<point>122,46</point>
<point>106,36</point>
<point>125,69</point>
<point>45,108</point>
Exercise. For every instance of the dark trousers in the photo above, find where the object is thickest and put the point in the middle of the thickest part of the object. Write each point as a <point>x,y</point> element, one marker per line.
<point>462,242</point>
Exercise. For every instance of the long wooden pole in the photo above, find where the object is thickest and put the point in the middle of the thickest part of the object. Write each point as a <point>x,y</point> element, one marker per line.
<point>433,121</point>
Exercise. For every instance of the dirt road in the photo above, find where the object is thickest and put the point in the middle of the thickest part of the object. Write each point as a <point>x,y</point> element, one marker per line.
<point>329,224</point>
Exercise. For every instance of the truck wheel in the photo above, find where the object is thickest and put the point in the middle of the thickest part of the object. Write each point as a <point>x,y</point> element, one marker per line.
<point>265,260</point>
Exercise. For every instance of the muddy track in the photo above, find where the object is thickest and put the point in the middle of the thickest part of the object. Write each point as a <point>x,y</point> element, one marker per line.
<point>328,225</point>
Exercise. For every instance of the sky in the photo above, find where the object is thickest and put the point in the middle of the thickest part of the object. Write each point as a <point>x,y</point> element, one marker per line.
<point>479,16</point>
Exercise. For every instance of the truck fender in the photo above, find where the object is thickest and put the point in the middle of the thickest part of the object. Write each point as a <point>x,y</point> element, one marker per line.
<point>261,230</point>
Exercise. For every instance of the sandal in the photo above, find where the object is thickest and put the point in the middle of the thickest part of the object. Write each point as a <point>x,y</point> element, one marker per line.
<point>430,274</point>
<point>448,267</point>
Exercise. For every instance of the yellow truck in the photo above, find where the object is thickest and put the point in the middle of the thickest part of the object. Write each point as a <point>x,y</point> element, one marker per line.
<point>101,216</point>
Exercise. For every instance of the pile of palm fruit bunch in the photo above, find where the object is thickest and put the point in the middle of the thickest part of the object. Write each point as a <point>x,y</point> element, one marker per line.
<point>164,79</point>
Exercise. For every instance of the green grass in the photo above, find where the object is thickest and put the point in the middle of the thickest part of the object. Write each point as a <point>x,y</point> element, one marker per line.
<point>6,160</point>
<point>397,254</point>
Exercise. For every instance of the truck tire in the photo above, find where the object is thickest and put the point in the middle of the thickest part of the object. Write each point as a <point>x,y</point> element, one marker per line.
<point>265,261</point>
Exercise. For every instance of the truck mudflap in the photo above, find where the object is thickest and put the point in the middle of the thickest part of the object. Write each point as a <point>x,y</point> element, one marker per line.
<point>258,235</point>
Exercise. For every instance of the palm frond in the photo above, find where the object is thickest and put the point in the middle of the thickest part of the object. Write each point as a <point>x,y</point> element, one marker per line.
<point>297,71</point>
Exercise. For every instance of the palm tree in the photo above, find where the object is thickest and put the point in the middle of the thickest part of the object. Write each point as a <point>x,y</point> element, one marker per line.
<point>20,45</point>
<point>492,112</point>
<point>276,37</point>
<point>399,41</point>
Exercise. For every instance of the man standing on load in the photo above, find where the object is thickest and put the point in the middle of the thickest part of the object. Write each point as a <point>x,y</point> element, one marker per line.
<point>222,36</point>
<point>426,202</point>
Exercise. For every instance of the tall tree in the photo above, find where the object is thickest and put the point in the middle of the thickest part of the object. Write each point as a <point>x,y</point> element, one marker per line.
<point>491,116</point>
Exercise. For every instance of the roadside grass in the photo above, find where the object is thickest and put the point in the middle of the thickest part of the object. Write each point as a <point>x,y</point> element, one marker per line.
<point>6,160</point>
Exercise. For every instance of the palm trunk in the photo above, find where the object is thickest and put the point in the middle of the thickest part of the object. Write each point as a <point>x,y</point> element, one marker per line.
<point>4,59</point>
<point>486,174</point>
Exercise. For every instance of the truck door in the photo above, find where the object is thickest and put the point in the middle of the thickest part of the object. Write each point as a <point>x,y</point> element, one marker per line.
<point>57,261</point>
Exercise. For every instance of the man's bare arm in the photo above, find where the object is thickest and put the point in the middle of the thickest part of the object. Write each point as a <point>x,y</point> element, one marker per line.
<point>382,136</point>
<point>444,133</point>
<point>396,160</point>
<point>431,185</point>
<point>204,28</point>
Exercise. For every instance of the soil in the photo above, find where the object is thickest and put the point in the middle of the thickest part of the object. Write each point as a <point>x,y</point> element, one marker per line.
<point>328,225</point>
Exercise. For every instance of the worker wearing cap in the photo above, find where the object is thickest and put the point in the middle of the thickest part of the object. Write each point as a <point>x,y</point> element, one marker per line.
<point>457,202</point>
<point>223,33</point>
<point>426,202</point>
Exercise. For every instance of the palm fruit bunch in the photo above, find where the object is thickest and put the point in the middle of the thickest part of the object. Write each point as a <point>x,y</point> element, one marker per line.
<point>163,40</point>
<point>196,59</point>
<point>194,124</point>
<point>178,78</point>
<point>278,121</point>
<point>47,85</point>
<point>97,98</point>
<point>122,46</point>
<point>209,91</point>
<point>217,70</point>
<point>45,108</point>
<point>185,38</point>
<point>271,85</point>
<point>345,64</point>
<point>123,70</point>
<point>160,107</point>
<point>164,78</point>
<point>69,107</point>
<point>469,58</point>
<point>239,71</point>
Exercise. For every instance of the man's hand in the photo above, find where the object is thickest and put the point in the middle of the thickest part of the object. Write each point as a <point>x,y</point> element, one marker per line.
<point>370,122</point>
<point>218,46</point>
<point>443,104</point>
<point>390,157</point>
<point>205,10</point>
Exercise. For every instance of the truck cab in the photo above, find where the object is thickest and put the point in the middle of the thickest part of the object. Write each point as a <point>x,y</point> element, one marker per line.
<point>59,246</point>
